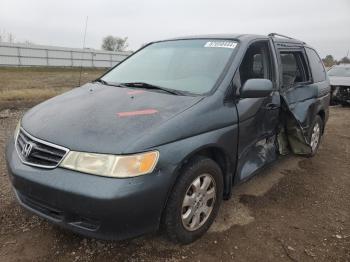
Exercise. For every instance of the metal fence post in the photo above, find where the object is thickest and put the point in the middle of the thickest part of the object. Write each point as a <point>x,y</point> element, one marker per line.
<point>47,57</point>
<point>92,59</point>
<point>19,56</point>
<point>71,58</point>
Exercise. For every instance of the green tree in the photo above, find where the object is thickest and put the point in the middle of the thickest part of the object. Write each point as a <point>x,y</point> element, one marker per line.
<point>328,61</point>
<point>114,43</point>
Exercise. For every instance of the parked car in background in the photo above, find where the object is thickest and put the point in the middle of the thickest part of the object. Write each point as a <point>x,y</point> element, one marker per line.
<point>339,76</point>
<point>161,138</point>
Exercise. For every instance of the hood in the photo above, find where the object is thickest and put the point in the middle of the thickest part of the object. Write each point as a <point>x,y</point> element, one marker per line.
<point>103,119</point>
<point>339,81</point>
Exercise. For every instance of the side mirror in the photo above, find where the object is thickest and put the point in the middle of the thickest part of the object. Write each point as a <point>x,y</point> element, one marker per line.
<point>255,88</point>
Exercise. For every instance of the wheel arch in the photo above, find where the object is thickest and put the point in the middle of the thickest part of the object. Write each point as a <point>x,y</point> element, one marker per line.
<point>220,156</point>
<point>216,153</point>
<point>322,114</point>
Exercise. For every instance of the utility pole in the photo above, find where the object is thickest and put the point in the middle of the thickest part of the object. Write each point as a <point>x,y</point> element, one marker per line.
<point>82,55</point>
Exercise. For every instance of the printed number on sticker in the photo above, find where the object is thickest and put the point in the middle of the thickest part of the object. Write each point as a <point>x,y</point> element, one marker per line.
<point>221,44</point>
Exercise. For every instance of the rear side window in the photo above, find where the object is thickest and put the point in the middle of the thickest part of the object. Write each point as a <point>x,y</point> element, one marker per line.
<point>317,68</point>
<point>294,68</point>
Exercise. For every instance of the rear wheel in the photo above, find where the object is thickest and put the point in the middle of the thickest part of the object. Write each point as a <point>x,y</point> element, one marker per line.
<point>194,202</point>
<point>315,135</point>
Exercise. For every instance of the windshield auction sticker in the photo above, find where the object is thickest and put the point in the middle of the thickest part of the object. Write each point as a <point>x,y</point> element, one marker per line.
<point>221,44</point>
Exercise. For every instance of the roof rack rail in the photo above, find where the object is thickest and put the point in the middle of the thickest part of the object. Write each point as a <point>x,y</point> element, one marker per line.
<point>276,34</point>
<point>284,36</point>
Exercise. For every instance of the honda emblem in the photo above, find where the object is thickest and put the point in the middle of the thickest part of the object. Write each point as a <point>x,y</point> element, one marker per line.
<point>27,149</point>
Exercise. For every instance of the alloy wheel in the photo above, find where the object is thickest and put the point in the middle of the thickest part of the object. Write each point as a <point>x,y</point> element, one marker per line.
<point>315,136</point>
<point>198,202</point>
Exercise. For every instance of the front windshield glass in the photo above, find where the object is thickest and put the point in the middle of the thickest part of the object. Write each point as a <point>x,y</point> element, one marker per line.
<point>191,66</point>
<point>339,71</point>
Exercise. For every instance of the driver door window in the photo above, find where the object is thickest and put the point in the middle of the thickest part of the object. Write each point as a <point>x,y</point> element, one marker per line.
<point>256,63</point>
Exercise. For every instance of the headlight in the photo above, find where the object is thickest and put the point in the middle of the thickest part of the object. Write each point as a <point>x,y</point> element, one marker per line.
<point>111,165</point>
<point>15,134</point>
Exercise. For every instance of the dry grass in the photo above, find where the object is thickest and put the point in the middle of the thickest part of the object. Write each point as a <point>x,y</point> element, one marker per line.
<point>38,84</point>
<point>38,94</point>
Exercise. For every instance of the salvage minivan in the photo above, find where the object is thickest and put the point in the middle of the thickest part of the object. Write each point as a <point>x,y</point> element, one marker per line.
<point>159,140</point>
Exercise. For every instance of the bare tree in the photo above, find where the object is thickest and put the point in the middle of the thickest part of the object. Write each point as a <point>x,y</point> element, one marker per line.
<point>10,38</point>
<point>345,60</point>
<point>2,35</point>
<point>114,43</point>
<point>26,42</point>
<point>7,37</point>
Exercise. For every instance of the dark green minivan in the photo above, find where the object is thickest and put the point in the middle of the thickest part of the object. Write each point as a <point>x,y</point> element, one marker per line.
<point>160,139</point>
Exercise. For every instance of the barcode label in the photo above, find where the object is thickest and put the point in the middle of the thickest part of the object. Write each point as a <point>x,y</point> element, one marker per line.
<point>221,44</point>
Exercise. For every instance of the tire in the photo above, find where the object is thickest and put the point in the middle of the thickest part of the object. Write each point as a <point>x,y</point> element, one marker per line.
<point>333,102</point>
<point>177,221</point>
<point>315,135</point>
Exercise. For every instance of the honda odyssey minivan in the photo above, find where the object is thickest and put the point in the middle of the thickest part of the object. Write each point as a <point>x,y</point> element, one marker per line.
<point>160,140</point>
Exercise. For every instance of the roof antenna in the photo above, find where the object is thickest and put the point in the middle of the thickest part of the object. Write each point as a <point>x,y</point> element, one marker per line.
<point>82,54</point>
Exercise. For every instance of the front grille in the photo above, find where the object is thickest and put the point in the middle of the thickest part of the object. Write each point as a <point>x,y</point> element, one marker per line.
<point>35,152</point>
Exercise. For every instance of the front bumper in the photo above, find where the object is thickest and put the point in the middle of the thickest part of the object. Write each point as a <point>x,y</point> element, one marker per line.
<point>102,207</point>
<point>341,94</point>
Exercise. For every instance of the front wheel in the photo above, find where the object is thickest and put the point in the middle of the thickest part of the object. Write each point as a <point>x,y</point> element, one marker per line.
<point>194,202</point>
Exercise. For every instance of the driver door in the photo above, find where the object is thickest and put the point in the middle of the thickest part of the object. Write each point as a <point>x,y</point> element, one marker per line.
<point>258,117</point>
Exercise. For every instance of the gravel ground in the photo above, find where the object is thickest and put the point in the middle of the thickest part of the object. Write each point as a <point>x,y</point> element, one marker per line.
<point>296,210</point>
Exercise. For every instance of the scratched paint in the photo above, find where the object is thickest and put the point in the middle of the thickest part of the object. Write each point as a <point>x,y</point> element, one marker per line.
<point>135,92</point>
<point>138,113</point>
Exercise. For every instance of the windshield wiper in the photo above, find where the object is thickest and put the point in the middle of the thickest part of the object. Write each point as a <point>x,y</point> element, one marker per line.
<point>108,83</point>
<point>140,85</point>
<point>100,81</point>
<point>150,86</point>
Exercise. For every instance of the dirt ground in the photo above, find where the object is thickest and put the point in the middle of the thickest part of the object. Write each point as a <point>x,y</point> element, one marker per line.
<point>296,210</point>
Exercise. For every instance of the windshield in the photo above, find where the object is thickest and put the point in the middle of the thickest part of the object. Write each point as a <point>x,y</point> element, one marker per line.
<point>339,71</point>
<point>192,66</point>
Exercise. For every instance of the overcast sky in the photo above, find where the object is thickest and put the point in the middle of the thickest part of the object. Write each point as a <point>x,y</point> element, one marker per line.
<point>323,24</point>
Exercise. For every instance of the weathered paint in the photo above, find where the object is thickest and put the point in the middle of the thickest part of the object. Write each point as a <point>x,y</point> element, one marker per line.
<point>90,115</point>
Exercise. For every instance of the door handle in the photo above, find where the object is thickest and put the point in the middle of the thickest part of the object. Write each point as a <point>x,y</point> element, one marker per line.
<point>271,106</point>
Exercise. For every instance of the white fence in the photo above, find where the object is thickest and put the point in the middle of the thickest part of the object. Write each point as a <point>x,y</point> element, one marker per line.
<point>38,55</point>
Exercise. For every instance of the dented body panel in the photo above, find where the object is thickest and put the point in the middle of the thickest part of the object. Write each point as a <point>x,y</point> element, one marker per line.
<point>339,76</point>
<point>307,101</point>
<point>257,125</point>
